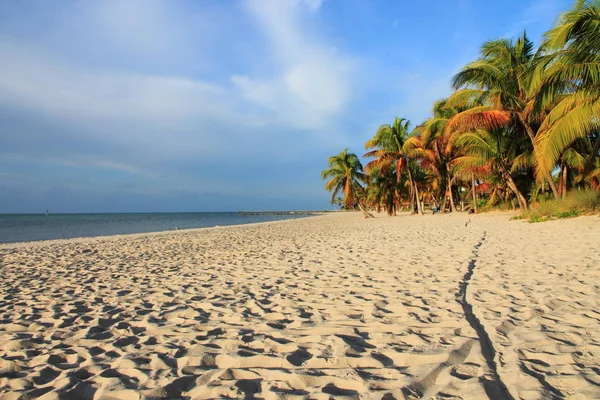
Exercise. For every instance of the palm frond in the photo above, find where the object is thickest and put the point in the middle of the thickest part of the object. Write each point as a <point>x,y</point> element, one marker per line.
<point>466,98</point>
<point>573,124</point>
<point>478,117</point>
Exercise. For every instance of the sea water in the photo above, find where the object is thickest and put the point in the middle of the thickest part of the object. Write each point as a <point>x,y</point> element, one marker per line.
<point>31,227</point>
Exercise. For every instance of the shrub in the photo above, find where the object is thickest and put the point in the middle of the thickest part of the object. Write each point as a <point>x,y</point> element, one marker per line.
<point>576,203</point>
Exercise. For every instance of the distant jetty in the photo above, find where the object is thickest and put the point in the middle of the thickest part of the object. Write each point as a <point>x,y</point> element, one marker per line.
<point>280,212</point>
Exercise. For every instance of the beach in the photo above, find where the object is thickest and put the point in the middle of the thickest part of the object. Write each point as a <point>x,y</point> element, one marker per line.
<point>439,306</point>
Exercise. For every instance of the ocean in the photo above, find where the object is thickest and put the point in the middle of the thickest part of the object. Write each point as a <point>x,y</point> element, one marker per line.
<point>31,227</point>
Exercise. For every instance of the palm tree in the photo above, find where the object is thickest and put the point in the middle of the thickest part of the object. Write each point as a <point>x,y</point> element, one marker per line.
<point>433,145</point>
<point>387,149</point>
<point>383,191</point>
<point>573,47</point>
<point>570,77</point>
<point>517,116</point>
<point>347,177</point>
<point>496,151</point>
<point>496,88</point>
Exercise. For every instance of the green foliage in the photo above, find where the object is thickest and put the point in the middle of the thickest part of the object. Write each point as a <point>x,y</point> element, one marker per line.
<point>393,164</point>
<point>537,219</point>
<point>518,115</point>
<point>345,174</point>
<point>576,203</point>
<point>569,80</point>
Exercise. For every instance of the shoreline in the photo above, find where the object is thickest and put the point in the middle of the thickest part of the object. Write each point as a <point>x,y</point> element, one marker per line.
<point>389,306</point>
<point>94,239</point>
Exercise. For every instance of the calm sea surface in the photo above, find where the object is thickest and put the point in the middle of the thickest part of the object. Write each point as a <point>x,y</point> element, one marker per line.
<point>29,227</point>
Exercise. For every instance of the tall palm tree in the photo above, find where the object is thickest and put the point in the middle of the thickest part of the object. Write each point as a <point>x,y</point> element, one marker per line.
<point>383,191</point>
<point>570,77</point>
<point>500,80</point>
<point>496,151</point>
<point>572,48</point>
<point>345,174</point>
<point>433,145</point>
<point>518,116</point>
<point>387,149</point>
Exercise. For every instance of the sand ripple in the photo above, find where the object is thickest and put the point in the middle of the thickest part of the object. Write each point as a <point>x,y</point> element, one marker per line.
<point>317,308</point>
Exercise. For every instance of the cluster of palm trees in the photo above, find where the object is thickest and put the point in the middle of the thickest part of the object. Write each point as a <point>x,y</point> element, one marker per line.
<point>522,124</point>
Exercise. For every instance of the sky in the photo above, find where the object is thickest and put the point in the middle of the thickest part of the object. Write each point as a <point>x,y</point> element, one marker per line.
<point>219,105</point>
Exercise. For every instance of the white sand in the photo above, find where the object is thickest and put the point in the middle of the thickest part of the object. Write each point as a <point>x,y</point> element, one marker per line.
<point>313,308</point>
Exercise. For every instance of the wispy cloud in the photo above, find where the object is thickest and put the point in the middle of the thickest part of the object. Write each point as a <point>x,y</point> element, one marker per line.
<point>312,79</point>
<point>240,98</point>
<point>34,79</point>
<point>93,97</point>
<point>149,117</point>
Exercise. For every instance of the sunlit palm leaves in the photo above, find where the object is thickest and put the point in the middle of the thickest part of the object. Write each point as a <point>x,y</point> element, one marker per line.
<point>572,67</point>
<point>345,174</point>
<point>496,152</point>
<point>388,150</point>
<point>383,190</point>
<point>518,116</point>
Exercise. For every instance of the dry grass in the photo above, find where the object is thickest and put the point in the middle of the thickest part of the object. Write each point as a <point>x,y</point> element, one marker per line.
<point>576,203</point>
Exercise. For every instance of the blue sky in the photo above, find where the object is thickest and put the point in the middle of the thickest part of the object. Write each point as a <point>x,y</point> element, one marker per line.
<point>214,105</point>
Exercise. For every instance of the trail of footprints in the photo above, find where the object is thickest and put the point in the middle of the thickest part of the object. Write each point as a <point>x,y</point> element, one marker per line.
<point>296,309</point>
<point>342,308</point>
<point>543,309</point>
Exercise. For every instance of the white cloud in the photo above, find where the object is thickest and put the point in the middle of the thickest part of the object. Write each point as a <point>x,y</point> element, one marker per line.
<point>141,116</point>
<point>78,160</point>
<point>140,25</point>
<point>262,93</point>
<point>141,120</point>
<point>124,121</point>
<point>42,82</point>
<point>35,80</point>
<point>313,80</point>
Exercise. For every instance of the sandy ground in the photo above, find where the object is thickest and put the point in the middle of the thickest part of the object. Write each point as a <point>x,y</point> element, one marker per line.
<point>451,306</point>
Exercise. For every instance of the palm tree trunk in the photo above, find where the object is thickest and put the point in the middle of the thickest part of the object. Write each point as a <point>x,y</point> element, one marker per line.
<point>453,207</point>
<point>589,163</point>
<point>364,211</point>
<point>456,195</point>
<point>444,202</point>
<point>418,200</point>
<point>560,181</point>
<point>413,194</point>
<point>474,193</point>
<point>531,135</point>
<point>565,174</point>
<point>552,184</point>
<point>493,195</point>
<point>516,191</point>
